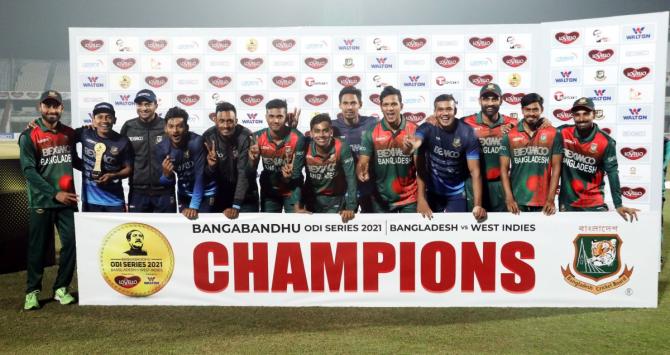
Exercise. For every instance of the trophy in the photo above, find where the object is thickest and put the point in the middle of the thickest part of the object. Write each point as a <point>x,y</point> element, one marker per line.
<point>99,149</point>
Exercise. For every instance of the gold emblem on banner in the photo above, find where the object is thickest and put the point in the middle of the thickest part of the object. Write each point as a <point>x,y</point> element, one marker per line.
<point>99,149</point>
<point>136,260</point>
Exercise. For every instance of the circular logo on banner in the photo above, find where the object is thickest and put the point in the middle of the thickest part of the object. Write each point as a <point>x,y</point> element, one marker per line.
<point>136,259</point>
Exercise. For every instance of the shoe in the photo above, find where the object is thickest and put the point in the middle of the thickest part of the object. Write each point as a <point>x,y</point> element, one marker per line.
<point>61,295</point>
<point>31,301</point>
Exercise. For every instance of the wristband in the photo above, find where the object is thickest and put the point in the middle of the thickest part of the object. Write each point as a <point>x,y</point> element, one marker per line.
<point>237,207</point>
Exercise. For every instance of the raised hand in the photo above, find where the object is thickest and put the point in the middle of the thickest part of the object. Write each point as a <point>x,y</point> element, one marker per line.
<point>211,153</point>
<point>168,167</point>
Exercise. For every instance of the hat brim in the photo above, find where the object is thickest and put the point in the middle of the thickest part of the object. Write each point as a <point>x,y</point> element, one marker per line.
<point>143,99</point>
<point>60,102</point>
<point>581,107</point>
<point>104,110</point>
<point>489,92</point>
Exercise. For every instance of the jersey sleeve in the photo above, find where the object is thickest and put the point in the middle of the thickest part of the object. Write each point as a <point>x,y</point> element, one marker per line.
<point>423,132</point>
<point>557,148</point>
<point>366,144</point>
<point>611,167</point>
<point>349,168</point>
<point>472,149</point>
<point>242,162</point>
<point>28,160</point>
<point>198,173</point>
<point>504,146</point>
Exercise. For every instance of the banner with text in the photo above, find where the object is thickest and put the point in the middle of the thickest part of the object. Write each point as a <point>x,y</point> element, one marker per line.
<point>530,260</point>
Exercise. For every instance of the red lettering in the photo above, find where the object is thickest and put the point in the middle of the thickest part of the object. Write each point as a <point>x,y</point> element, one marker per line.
<point>508,256</point>
<point>289,255</point>
<point>201,266</point>
<point>372,267</point>
<point>344,261</point>
<point>407,267</point>
<point>484,267</point>
<point>258,266</point>
<point>429,277</point>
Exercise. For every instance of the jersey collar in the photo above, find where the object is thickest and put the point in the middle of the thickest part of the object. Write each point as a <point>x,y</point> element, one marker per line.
<point>403,123</point>
<point>480,119</point>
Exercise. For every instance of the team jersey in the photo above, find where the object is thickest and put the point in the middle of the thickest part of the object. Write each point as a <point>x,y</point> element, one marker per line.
<point>489,139</point>
<point>394,172</point>
<point>189,165</point>
<point>530,161</point>
<point>332,175</point>
<point>118,153</point>
<point>446,154</point>
<point>273,157</point>
<point>586,160</point>
<point>353,135</point>
<point>46,160</point>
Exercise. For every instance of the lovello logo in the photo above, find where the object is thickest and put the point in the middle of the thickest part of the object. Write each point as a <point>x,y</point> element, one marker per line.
<point>348,80</point>
<point>92,45</point>
<point>636,74</point>
<point>188,100</point>
<point>374,98</point>
<point>349,45</point>
<point>92,82</point>
<point>513,61</point>
<point>283,44</point>
<point>251,63</point>
<point>414,116</point>
<point>219,45</point>
<point>601,56</point>
<point>188,63</point>
<point>251,100</point>
<point>413,43</point>
<point>381,63</point>
<point>447,62</point>
<point>219,81</point>
<point>563,115</point>
<point>512,99</point>
<point>480,80</point>
<point>565,77</point>
<point>123,100</point>
<point>481,43</point>
<point>413,81</point>
<point>316,63</point>
<point>127,282</point>
<point>566,38</point>
<point>635,114</point>
<point>316,100</point>
<point>283,82</point>
<point>634,154</point>
<point>124,63</point>
<point>638,33</point>
<point>601,95</point>
<point>632,193</point>
<point>156,82</point>
<point>155,45</point>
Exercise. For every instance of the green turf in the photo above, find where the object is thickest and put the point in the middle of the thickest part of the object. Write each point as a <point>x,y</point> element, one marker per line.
<point>70,329</point>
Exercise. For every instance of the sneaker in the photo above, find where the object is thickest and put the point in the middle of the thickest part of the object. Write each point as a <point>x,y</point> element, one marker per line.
<point>61,295</point>
<point>31,301</point>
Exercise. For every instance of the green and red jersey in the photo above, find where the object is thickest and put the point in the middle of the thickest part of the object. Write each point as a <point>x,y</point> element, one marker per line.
<point>394,171</point>
<point>274,156</point>
<point>530,160</point>
<point>333,174</point>
<point>586,160</point>
<point>46,160</point>
<point>489,139</point>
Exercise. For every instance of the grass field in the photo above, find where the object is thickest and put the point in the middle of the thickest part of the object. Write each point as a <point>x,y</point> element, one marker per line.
<point>75,329</point>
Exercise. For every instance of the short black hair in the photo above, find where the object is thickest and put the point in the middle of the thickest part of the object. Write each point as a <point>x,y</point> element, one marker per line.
<point>176,112</point>
<point>444,97</point>
<point>530,98</point>
<point>390,90</point>
<point>225,107</point>
<point>322,117</point>
<point>351,90</point>
<point>276,103</point>
<point>131,233</point>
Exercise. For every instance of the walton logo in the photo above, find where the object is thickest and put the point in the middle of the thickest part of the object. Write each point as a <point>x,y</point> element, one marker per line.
<point>597,257</point>
<point>632,193</point>
<point>636,74</point>
<point>188,63</point>
<point>316,63</point>
<point>414,44</point>
<point>283,82</point>
<point>481,43</point>
<point>219,45</point>
<point>633,154</point>
<point>316,100</point>
<point>638,33</point>
<point>124,64</point>
<point>514,61</point>
<point>251,63</point>
<point>283,45</point>
<point>188,100</point>
<point>447,62</point>
<point>563,115</point>
<point>566,77</point>
<point>601,56</point>
<point>567,38</point>
<point>92,45</point>
<point>124,100</point>
<point>252,100</point>
<point>349,45</point>
<point>251,118</point>
<point>414,81</point>
<point>600,95</point>
<point>92,82</point>
<point>635,114</point>
<point>381,64</point>
<point>219,81</point>
<point>156,82</point>
<point>480,80</point>
<point>348,80</point>
<point>155,45</point>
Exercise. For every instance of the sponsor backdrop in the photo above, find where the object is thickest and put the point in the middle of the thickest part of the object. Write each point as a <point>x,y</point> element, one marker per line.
<point>269,260</point>
<point>619,62</point>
